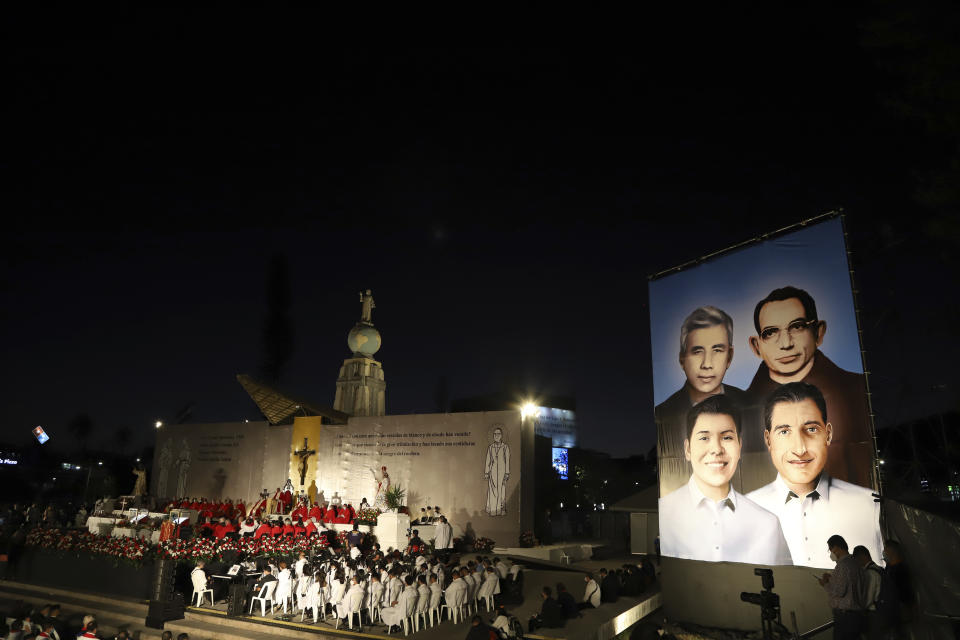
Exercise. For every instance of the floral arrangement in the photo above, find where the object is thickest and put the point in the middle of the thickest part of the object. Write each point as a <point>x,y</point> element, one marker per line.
<point>137,550</point>
<point>83,542</point>
<point>483,545</point>
<point>527,539</point>
<point>368,516</point>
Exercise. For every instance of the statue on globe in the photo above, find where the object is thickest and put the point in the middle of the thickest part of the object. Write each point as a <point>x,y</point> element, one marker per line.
<point>367,306</point>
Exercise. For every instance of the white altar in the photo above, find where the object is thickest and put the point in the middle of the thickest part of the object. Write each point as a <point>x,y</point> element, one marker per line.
<point>391,530</point>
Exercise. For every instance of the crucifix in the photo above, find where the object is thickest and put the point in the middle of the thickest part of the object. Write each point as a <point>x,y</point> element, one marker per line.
<point>303,454</point>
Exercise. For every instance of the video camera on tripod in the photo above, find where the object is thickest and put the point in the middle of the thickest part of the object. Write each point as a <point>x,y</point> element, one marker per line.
<point>767,600</point>
<point>769,604</point>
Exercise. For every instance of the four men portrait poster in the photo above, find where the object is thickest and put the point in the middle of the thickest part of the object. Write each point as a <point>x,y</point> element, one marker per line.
<point>767,337</point>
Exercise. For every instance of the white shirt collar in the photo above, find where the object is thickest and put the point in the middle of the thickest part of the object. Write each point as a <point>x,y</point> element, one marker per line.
<point>697,497</point>
<point>784,493</point>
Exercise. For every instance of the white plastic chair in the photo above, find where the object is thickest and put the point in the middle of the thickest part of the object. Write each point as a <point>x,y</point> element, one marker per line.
<point>355,607</point>
<point>200,590</point>
<point>488,589</point>
<point>373,609</point>
<point>266,595</point>
<point>470,599</point>
<point>454,609</point>
<point>421,613</point>
<point>284,592</point>
<point>434,606</point>
<point>406,623</point>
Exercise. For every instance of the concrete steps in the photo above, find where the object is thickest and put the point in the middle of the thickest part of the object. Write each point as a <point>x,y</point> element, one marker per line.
<point>113,613</point>
<point>216,625</point>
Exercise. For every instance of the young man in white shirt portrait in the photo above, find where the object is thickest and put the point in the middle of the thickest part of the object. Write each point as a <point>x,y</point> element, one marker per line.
<point>706,519</point>
<point>811,505</point>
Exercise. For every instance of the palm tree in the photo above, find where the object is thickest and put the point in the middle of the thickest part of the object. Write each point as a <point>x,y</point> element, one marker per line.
<point>81,426</point>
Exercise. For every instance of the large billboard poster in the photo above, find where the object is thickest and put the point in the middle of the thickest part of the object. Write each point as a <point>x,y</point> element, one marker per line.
<point>764,440</point>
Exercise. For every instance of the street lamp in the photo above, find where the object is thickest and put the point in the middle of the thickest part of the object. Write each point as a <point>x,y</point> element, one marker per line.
<point>528,409</point>
<point>158,424</point>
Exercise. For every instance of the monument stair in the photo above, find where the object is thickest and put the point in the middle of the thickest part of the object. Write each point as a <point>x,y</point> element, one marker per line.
<point>113,613</point>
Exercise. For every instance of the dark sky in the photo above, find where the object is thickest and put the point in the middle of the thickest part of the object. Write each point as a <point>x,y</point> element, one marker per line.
<point>505,205</point>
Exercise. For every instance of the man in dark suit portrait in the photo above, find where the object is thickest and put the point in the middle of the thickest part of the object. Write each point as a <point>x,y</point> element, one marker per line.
<point>788,340</point>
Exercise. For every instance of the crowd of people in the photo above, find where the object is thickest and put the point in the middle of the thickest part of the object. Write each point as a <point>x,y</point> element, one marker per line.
<point>47,622</point>
<point>628,581</point>
<point>384,587</point>
<point>866,599</point>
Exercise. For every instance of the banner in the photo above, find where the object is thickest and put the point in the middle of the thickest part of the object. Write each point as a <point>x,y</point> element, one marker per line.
<point>764,441</point>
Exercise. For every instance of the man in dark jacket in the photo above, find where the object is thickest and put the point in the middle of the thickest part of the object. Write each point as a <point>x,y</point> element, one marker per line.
<point>550,616</point>
<point>609,586</point>
<point>479,630</point>
<point>567,604</point>
<point>265,578</point>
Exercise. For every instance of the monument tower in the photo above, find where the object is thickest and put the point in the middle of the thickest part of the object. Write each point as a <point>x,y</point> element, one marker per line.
<point>360,385</point>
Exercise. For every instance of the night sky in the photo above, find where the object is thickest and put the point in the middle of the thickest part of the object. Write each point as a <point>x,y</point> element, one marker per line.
<point>506,206</point>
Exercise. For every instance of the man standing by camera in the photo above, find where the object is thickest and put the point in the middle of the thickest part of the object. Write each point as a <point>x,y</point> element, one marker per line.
<point>843,589</point>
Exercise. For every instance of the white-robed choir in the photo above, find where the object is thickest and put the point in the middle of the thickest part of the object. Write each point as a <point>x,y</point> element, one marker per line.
<point>414,590</point>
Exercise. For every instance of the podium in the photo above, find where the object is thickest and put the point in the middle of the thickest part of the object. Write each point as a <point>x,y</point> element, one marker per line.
<point>391,530</point>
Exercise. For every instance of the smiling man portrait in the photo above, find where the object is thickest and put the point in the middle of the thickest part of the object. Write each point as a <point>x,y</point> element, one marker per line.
<point>788,339</point>
<point>810,504</point>
<point>707,519</point>
<point>706,351</point>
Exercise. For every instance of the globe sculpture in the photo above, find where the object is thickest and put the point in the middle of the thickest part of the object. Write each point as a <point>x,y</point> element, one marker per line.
<point>364,340</point>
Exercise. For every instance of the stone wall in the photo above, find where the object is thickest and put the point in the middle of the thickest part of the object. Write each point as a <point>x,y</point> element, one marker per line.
<point>219,460</point>
<point>439,459</point>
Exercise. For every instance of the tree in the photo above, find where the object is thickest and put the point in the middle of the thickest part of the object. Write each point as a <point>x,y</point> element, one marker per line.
<point>122,437</point>
<point>81,426</point>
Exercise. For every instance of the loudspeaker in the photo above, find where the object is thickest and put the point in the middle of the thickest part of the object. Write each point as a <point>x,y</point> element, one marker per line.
<point>159,612</point>
<point>237,600</point>
<point>161,589</point>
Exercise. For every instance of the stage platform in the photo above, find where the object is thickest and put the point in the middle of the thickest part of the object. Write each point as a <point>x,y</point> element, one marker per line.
<point>205,623</point>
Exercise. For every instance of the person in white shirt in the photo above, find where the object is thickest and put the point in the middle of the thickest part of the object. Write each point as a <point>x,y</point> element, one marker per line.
<point>402,607</point>
<point>337,590</point>
<point>591,593</point>
<point>811,505</point>
<point>457,591</point>
<point>502,623</point>
<point>443,536</point>
<point>352,600</point>
<point>436,593</point>
<point>298,565</point>
<point>471,585</point>
<point>491,584</point>
<point>706,519</point>
<point>392,588</point>
<point>199,579</point>
<point>375,591</point>
<point>423,593</point>
<point>871,577</point>
<point>502,568</point>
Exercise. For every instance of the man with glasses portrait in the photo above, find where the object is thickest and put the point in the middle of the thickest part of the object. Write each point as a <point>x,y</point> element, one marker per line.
<point>788,340</point>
